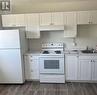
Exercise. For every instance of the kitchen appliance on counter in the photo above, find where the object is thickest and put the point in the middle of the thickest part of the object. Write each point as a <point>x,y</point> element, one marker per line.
<point>12,48</point>
<point>51,63</point>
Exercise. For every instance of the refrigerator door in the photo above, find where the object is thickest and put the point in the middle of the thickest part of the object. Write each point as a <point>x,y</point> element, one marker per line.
<point>9,39</point>
<point>11,66</point>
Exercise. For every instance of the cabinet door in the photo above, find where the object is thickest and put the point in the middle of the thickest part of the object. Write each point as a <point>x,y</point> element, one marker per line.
<point>83,17</point>
<point>31,19</point>
<point>31,68</point>
<point>85,69</point>
<point>94,70</point>
<point>35,69</point>
<point>71,18</point>
<point>94,17</point>
<point>71,62</point>
<point>32,32</point>
<point>32,25</point>
<point>57,18</point>
<point>70,31</point>
<point>45,19</point>
<point>27,68</point>
<point>13,20</point>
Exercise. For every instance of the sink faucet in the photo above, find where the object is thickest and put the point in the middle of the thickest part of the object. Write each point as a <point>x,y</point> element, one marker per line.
<point>87,48</point>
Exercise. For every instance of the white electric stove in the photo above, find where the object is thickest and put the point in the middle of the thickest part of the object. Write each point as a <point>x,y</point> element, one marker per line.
<point>51,63</point>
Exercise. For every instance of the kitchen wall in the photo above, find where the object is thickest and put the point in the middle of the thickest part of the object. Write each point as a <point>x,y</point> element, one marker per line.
<point>87,36</point>
<point>28,6</point>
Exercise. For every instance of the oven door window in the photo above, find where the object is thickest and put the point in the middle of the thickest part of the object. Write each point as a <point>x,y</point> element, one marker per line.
<point>51,64</point>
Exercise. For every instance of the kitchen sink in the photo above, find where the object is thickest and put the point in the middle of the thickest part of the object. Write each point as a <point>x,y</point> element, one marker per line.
<point>88,51</point>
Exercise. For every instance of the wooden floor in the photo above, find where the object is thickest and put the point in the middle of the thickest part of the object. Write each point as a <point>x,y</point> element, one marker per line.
<point>35,88</point>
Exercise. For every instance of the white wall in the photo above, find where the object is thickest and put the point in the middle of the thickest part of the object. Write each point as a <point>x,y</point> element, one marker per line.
<point>87,36</point>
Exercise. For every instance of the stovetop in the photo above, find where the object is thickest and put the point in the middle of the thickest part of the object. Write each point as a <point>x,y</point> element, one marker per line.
<point>52,48</point>
<point>52,52</point>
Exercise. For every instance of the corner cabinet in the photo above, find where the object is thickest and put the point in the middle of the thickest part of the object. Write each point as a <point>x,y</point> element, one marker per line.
<point>70,25</point>
<point>71,63</point>
<point>31,67</point>
<point>32,25</point>
<point>29,21</point>
<point>70,31</point>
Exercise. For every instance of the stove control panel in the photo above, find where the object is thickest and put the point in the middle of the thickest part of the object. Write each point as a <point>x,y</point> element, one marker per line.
<point>52,45</point>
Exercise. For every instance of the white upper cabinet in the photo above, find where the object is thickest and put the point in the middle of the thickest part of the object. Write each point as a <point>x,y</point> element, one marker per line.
<point>87,17</point>
<point>31,19</point>
<point>57,18</point>
<point>13,20</point>
<point>32,32</point>
<point>70,18</point>
<point>51,18</point>
<point>45,19</point>
<point>83,17</point>
<point>70,31</point>
<point>70,24</point>
<point>32,25</point>
<point>93,17</point>
<point>71,63</point>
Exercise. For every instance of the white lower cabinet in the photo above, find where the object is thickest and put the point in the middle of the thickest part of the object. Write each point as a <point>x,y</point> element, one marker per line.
<point>71,63</point>
<point>82,68</point>
<point>94,70</point>
<point>31,67</point>
<point>85,70</point>
<point>88,68</point>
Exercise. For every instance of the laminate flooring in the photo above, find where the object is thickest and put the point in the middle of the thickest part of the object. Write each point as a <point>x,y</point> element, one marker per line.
<point>36,88</point>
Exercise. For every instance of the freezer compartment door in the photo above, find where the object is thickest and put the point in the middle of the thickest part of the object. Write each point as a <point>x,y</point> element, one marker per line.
<point>10,66</point>
<point>9,39</point>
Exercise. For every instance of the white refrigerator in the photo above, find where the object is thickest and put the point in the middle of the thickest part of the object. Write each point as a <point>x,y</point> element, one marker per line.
<point>12,48</point>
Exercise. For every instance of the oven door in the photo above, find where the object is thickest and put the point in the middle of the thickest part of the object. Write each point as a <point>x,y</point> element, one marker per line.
<point>54,65</point>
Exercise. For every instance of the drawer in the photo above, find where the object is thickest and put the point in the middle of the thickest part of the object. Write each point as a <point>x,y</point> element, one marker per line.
<point>33,57</point>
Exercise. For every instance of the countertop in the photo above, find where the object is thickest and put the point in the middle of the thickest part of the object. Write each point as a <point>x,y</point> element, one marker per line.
<point>79,53</point>
<point>69,52</point>
<point>33,53</point>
